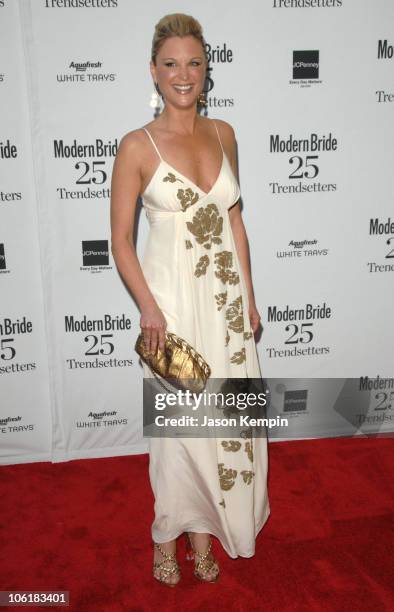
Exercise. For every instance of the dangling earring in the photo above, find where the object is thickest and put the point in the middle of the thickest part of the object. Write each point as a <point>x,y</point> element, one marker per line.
<point>201,99</point>
<point>202,102</point>
<point>155,101</point>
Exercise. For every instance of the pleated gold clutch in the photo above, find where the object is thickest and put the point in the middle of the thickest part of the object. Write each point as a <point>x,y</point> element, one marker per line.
<point>179,362</point>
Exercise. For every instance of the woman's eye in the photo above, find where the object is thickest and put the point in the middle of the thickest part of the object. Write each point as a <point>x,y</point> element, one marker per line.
<point>170,63</point>
<point>196,63</point>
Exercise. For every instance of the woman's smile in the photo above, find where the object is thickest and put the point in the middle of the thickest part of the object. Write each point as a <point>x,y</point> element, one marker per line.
<point>183,89</point>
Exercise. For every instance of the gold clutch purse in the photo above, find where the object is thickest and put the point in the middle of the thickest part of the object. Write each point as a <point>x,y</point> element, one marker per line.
<point>179,362</point>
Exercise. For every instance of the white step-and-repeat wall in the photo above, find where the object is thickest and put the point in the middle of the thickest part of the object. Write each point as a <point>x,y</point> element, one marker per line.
<point>308,86</point>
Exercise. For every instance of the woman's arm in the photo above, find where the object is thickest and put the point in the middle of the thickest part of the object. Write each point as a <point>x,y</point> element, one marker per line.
<point>238,228</point>
<point>125,188</point>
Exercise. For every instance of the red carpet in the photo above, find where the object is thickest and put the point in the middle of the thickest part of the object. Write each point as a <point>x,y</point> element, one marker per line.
<point>84,526</point>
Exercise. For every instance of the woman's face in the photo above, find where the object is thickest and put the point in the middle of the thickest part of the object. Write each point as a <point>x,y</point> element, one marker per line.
<point>180,70</point>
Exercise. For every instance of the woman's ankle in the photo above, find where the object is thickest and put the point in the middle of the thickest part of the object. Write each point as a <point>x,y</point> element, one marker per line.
<point>168,547</point>
<point>200,541</point>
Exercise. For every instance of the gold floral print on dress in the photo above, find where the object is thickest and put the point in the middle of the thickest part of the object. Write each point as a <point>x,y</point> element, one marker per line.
<point>227,477</point>
<point>222,503</point>
<point>171,178</point>
<point>235,315</point>
<point>227,338</point>
<point>221,299</point>
<point>239,356</point>
<point>223,262</point>
<point>207,225</point>
<point>202,265</point>
<point>249,450</point>
<point>231,445</point>
<point>248,335</point>
<point>188,244</point>
<point>247,475</point>
<point>187,197</point>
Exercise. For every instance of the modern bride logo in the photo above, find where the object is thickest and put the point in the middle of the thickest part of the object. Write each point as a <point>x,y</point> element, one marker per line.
<point>17,337</point>
<point>8,153</point>
<point>96,342</point>
<point>385,49</point>
<point>305,158</point>
<point>85,72</point>
<point>3,265</point>
<point>87,164</point>
<point>218,56</point>
<point>385,52</point>
<point>301,331</point>
<point>383,250</point>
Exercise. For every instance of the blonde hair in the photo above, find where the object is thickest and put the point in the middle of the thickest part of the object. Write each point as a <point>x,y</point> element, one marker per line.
<point>177,24</point>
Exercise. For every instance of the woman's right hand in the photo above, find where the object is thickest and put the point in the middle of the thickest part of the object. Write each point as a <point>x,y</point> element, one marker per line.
<point>153,326</point>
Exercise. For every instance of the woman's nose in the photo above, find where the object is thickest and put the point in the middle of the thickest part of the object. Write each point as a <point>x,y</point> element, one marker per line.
<point>183,72</point>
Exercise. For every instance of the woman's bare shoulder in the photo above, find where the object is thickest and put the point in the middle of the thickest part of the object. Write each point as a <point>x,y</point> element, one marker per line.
<point>134,142</point>
<point>226,130</point>
<point>227,136</point>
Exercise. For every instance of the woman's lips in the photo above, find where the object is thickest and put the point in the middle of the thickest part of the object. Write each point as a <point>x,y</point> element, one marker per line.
<point>183,89</point>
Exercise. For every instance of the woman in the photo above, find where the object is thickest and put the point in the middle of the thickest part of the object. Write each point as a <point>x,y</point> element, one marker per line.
<point>195,281</point>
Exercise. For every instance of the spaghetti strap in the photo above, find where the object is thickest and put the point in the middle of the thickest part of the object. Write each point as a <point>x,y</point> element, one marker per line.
<point>217,132</point>
<point>153,142</point>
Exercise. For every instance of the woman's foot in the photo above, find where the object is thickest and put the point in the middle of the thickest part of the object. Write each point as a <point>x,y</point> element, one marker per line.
<point>206,567</point>
<point>165,566</point>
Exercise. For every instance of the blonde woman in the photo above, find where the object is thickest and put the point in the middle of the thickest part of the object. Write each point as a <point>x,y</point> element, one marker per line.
<point>194,283</point>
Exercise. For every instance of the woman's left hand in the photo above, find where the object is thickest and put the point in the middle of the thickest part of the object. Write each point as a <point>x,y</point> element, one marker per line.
<point>254,317</point>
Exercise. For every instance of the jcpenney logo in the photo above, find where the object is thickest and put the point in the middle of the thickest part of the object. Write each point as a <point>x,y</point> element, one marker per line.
<point>95,252</point>
<point>306,64</point>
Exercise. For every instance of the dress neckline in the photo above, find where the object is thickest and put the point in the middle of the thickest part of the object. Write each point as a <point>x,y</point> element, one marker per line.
<point>205,193</point>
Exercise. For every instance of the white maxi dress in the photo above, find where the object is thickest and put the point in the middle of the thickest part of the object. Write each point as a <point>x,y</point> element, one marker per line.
<point>191,266</point>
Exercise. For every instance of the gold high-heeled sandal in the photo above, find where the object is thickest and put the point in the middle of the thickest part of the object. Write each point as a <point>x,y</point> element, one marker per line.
<point>205,561</point>
<point>162,572</point>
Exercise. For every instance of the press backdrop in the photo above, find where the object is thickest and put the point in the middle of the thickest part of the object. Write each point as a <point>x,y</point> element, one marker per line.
<point>308,87</point>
